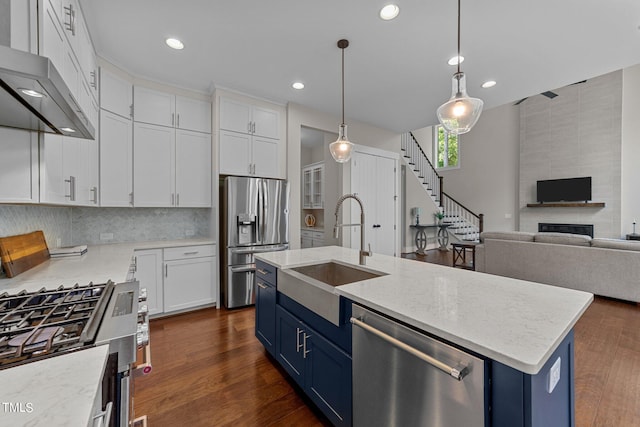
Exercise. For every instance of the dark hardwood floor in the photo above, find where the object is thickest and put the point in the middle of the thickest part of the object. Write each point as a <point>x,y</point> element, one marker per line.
<point>210,370</point>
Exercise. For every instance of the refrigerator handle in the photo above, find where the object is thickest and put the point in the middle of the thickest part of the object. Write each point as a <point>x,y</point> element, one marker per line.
<point>259,221</point>
<point>264,210</point>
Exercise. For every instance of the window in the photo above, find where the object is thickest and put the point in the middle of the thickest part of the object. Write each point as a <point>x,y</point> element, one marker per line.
<point>446,148</point>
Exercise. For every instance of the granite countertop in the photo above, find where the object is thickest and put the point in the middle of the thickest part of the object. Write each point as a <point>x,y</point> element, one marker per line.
<point>58,391</point>
<point>100,264</point>
<point>514,322</point>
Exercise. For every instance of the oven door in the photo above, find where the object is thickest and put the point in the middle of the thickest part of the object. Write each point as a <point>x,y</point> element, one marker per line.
<point>240,286</point>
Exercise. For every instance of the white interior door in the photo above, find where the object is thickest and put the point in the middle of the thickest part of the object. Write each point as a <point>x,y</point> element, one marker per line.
<point>373,179</point>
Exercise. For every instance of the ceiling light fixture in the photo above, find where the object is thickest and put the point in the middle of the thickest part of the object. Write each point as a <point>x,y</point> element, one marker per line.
<point>454,60</point>
<point>461,112</point>
<point>31,92</point>
<point>389,12</point>
<point>174,43</point>
<point>298,85</point>
<point>488,84</point>
<point>341,148</point>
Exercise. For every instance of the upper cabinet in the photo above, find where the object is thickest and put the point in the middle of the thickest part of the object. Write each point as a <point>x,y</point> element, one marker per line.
<point>18,166</point>
<point>249,139</point>
<point>116,94</point>
<point>171,150</point>
<point>250,119</point>
<point>64,38</point>
<point>313,186</point>
<point>164,109</point>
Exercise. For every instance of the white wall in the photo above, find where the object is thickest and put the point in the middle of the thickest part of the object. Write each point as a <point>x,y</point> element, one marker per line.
<point>487,180</point>
<point>630,149</point>
<point>359,133</point>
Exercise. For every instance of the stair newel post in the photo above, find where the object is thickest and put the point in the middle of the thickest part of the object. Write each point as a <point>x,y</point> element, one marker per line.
<point>440,189</point>
<point>480,222</point>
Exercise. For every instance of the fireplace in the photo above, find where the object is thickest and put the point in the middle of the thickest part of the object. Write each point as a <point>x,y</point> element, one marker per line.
<point>586,229</point>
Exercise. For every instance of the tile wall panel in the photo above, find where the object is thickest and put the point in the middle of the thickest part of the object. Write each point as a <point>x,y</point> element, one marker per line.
<point>578,133</point>
<point>55,222</point>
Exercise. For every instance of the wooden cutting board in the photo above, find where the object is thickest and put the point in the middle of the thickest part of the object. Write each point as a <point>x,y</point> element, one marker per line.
<point>22,252</point>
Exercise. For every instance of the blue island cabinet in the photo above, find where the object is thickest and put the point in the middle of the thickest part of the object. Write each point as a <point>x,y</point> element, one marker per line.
<point>317,355</point>
<point>265,287</point>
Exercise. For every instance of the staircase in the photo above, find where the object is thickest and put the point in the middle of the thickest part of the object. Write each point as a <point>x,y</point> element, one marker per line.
<point>465,226</point>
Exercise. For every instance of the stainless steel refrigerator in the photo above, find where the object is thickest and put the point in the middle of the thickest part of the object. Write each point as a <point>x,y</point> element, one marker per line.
<point>255,218</point>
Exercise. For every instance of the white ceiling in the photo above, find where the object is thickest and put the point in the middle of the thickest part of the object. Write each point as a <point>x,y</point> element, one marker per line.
<point>396,71</point>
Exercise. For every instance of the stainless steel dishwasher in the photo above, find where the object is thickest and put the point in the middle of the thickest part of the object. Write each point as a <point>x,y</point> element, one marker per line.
<point>404,378</point>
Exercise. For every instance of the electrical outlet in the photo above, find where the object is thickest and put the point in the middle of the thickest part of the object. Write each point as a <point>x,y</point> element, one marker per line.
<point>189,232</point>
<point>507,216</point>
<point>106,236</point>
<point>553,376</point>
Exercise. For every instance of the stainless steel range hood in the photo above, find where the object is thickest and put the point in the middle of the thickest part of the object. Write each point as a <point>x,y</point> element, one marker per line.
<point>55,112</point>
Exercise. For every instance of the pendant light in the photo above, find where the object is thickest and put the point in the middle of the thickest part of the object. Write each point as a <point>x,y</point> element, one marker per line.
<point>461,112</point>
<point>341,148</point>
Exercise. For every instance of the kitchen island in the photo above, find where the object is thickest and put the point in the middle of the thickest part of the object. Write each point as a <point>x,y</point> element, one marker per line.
<point>520,329</point>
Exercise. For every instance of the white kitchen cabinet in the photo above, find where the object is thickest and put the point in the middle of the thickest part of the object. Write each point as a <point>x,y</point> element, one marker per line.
<point>177,278</point>
<point>313,186</point>
<point>172,168</point>
<point>18,166</point>
<point>249,139</point>
<point>148,271</point>
<point>116,160</point>
<point>64,38</point>
<point>189,277</point>
<point>153,165</point>
<point>116,94</point>
<point>164,109</point>
<point>243,117</point>
<point>193,169</point>
<point>244,154</point>
<point>311,238</point>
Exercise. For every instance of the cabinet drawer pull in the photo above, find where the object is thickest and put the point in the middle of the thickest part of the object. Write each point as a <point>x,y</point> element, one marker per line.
<point>261,285</point>
<point>298,345</point>
<point>261,271</point>
<point>191,253</point>
<point>304,346</point>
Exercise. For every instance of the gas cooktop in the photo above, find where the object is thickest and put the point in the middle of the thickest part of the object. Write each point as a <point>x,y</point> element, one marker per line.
<point>35,325</point>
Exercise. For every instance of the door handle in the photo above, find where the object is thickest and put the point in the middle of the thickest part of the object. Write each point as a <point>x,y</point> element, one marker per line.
<point>304,346</point>
<point>166,270</point>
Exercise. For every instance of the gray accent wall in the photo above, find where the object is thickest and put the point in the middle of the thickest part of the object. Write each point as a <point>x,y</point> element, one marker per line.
<point>576,134</point>
<point>75,226</point>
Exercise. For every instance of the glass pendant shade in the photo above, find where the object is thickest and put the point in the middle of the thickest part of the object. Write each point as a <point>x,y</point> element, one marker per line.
<point>461,112</point>
<point>341,148</point>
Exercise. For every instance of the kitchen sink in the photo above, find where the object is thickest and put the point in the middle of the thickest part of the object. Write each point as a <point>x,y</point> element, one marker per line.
<point>312,285</point>
<point>334,274</point>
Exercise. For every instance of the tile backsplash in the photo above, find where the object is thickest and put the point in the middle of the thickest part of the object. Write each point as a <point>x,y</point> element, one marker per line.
<point>139,224</point>
<point>55,222</point>
<point>74,226</point>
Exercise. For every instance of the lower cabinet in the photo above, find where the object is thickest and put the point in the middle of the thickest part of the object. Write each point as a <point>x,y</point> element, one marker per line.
<point>177,278</point>
<point>265,314</point>
<point>318,366</point>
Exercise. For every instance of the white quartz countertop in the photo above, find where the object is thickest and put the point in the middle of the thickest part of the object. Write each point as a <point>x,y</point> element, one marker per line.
<point>514,322</point>
<point>58,391</point>
<point>100,264</point>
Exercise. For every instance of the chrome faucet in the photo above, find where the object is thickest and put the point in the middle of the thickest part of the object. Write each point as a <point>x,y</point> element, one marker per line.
<point>336,228</point>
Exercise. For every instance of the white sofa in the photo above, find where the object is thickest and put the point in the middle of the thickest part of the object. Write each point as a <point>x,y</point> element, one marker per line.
<point>606,267</point>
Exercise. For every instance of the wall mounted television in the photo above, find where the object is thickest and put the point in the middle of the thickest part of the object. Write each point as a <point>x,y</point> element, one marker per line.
<point>564,190</point>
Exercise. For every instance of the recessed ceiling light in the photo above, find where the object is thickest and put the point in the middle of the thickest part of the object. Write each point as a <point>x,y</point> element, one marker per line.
<point>298,85</point>
<point>389,12</point>
<point>69,130</point>
<point>174,43</point>
<point>454,60</point>
<point>31,92</point>
<point>488,84</point>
